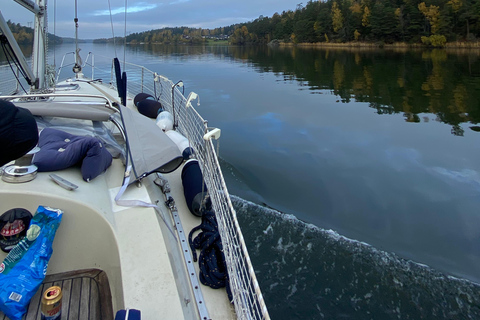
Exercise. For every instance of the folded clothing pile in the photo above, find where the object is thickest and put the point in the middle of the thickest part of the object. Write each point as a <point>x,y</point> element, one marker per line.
<point>60,150</point>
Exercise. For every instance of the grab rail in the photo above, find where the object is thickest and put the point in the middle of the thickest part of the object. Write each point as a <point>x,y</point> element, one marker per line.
<point>108,103</point>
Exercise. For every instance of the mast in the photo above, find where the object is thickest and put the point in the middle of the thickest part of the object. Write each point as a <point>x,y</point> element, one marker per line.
<point>39,40</point>
<point>39,45</point>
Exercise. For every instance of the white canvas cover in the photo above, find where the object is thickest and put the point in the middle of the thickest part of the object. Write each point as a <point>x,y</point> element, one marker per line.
<point>151,150</point>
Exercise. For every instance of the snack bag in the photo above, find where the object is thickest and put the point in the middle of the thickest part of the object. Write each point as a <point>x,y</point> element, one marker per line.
<point>25,267</point>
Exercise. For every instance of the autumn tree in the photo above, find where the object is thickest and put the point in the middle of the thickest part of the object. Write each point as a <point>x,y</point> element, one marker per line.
<point>432,14</point>
<point>337,17</point>
<point>356,13</point>
<point>366,17</point>
<point>240,36</point>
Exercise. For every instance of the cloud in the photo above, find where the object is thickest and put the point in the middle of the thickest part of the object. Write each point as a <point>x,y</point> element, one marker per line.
<point>141,6</point>
<point>179,1</point>
<point>144,15</point>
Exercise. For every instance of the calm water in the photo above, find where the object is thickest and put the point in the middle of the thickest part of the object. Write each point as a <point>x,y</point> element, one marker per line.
<point>356,174</point>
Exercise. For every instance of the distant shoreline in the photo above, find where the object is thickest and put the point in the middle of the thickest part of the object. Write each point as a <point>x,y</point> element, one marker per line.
<point>370,45</point>
<point>354,45</point>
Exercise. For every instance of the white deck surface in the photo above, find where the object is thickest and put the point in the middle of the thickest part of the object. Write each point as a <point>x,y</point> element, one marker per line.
<point>130,244</point>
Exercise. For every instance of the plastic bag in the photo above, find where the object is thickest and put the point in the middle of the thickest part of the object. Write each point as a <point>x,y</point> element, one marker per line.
<point>25,267</point>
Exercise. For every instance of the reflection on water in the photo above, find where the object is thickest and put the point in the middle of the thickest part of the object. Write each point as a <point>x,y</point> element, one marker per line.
<point>412,82</point>
<point>440,82</point>
<point>445,83</point>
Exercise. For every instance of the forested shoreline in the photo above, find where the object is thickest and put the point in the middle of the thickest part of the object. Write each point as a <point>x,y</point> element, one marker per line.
<point>429,22</point>
<point>24,35</point>
<point>369,22</point>
<point>378,22</point>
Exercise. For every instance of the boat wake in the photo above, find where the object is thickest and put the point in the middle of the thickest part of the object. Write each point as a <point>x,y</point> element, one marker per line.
<point>306,272</point>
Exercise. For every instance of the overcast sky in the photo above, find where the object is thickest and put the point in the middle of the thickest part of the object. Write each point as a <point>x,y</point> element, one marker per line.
<point>94,16</point>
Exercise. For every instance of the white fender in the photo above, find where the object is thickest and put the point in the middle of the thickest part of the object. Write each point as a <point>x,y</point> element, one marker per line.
<point>165,121</point>
<point>179,139</point>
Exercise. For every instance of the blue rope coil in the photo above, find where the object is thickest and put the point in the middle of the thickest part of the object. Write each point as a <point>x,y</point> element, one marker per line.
<point>211,262</point>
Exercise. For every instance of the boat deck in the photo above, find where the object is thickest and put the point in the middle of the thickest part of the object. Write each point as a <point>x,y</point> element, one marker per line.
<point>133,245</point>
<point>85,296</point>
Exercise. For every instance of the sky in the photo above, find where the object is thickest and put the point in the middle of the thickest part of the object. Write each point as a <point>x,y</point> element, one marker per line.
<point>94,15</point>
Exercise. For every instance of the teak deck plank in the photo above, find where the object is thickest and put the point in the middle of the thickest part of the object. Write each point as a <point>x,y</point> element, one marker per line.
<point>85,296</point>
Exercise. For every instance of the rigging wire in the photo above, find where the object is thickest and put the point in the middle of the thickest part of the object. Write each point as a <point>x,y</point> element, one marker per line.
<point>10,55</point>
<point>76,31</point>
<point>78,61</point>
<point>125,36</point>
<point>54,34</point>
<point>113,33</point>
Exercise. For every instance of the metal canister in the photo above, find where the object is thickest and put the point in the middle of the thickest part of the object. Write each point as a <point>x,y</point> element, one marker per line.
<point>52,303</point>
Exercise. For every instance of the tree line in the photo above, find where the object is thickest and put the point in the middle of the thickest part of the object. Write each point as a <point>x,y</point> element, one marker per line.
<point>177,35</point>
<point>24,35</point>
<point>388,21</point>
<point>432,22</point>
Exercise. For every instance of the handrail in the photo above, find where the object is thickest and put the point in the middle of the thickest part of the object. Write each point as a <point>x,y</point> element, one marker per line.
<point>90,64</point>
<point>109,104</point>
<point>62,66</point>
<point>85,63</point>
<point>247,296</point>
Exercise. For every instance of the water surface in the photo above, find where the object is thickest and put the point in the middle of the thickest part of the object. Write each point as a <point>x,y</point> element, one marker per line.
<point>369,160</point>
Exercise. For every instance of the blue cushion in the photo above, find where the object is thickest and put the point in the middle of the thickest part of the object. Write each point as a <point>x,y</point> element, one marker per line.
<point>60,150</point>
<point>133,314</point>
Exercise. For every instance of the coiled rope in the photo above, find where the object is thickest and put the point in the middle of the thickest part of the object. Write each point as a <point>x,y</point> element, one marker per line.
<point>211,262</point>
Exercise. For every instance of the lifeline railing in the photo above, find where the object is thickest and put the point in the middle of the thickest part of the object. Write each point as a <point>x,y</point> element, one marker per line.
<point>8,82</point>
<point>247,296</point>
